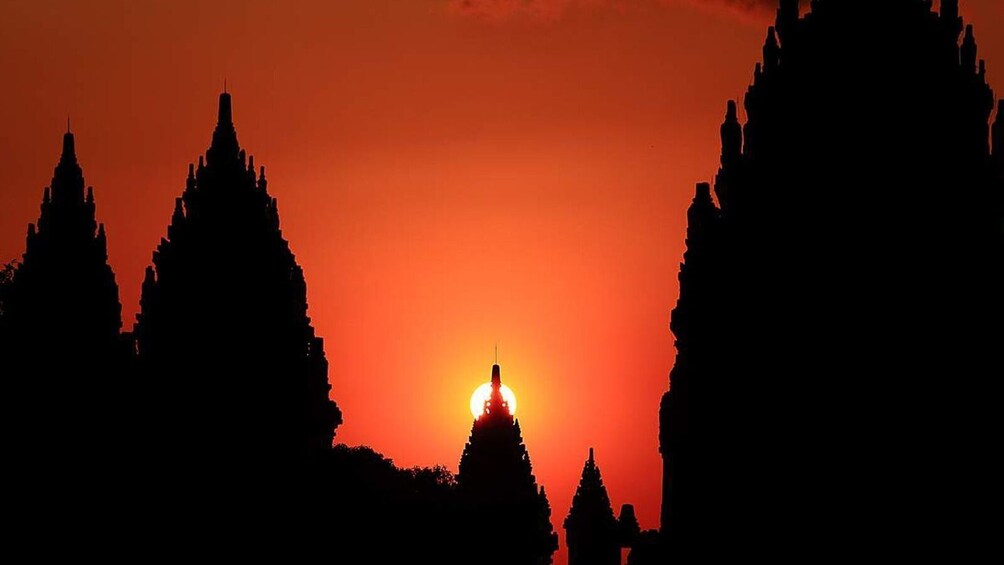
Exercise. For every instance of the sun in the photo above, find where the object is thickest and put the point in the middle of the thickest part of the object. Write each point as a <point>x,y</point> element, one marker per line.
<point>484,392</point>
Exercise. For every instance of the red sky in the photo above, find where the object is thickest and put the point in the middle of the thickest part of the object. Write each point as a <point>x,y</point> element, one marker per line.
<point>449,179</point>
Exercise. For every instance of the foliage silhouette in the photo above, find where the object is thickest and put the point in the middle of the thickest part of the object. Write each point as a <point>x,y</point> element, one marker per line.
<point>6,278</point>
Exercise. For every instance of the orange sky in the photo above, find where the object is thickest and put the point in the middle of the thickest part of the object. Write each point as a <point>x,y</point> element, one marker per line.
<point>447,182</point>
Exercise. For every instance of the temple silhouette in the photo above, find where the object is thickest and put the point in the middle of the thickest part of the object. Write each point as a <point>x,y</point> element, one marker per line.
<point>497,489</point>
<point>839,322</point>
<point>65,357</point>
<point>593,534</point>
<point>223,334</point>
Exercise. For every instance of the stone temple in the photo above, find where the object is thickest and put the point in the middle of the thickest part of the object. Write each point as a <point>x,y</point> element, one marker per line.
<point>498,491</point>
<point>227,352</point>
<point>839,326</point>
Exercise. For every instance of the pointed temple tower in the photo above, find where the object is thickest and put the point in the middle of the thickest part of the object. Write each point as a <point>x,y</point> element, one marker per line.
<point>510,515</point>
<point>592,532</point>
<point>224,340</point>
<point>837,383</point>
<point>62,349</point>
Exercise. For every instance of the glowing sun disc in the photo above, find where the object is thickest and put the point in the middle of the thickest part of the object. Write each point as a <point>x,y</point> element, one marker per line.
<point>484,392</point>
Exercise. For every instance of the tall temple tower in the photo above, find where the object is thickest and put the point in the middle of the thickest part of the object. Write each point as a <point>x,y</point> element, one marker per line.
<point>592,531</point>
<point>839,322</point>
<point>227,350</point>
<point>60,337</point>
<point>510,518</point>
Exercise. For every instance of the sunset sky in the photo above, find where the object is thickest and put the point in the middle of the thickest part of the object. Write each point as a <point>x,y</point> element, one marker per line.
<point>451,176</point>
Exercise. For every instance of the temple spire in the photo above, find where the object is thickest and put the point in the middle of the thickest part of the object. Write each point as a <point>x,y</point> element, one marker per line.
<point>226,113</point>
<point>969,51</point>
<point>496,376</point>
<point>67,178</point>
<point>732,135</point>
<point>787,18</point>
<point>69,147</point>
<point>593,533</point>
<point>224,149</point>
<point>771,51</point>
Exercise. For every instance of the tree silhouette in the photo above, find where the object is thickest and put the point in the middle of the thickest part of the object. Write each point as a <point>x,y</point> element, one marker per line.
<point>6,278</point>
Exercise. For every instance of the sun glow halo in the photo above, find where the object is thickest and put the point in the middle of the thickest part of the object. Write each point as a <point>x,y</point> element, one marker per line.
<point>484,392</point>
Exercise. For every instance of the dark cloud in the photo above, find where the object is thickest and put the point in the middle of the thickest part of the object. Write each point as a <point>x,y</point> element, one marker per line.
<point>552,10</point>
<point>505,10</point>
<point>747,8</point>
<point>767,6</point>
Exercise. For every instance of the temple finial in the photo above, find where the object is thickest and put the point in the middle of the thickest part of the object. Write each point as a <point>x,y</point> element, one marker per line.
<point>69,148</point>
<point>226,111</point>
<point>67,123</point>
<point>591,459</point>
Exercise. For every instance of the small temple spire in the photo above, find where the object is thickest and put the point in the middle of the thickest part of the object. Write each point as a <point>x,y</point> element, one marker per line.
<point>771,50</point>
<point>69,148</point>
<point>225,115</point>
<point>496,402</point>
<point>787,18</point>
<point>732,135</point>
<point>703,195</point>
<point>969,51</point>
<point>224,149</point>
<point>67,178</point>
<point>593,532</point>
<point>950,9</point>
<point>950,15</point>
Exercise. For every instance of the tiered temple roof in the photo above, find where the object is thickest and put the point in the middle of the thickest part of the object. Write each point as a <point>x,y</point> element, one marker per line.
<point>62,320</point>
<point>592,531</point>
<point>499,491</point>
<point>223,334</point>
